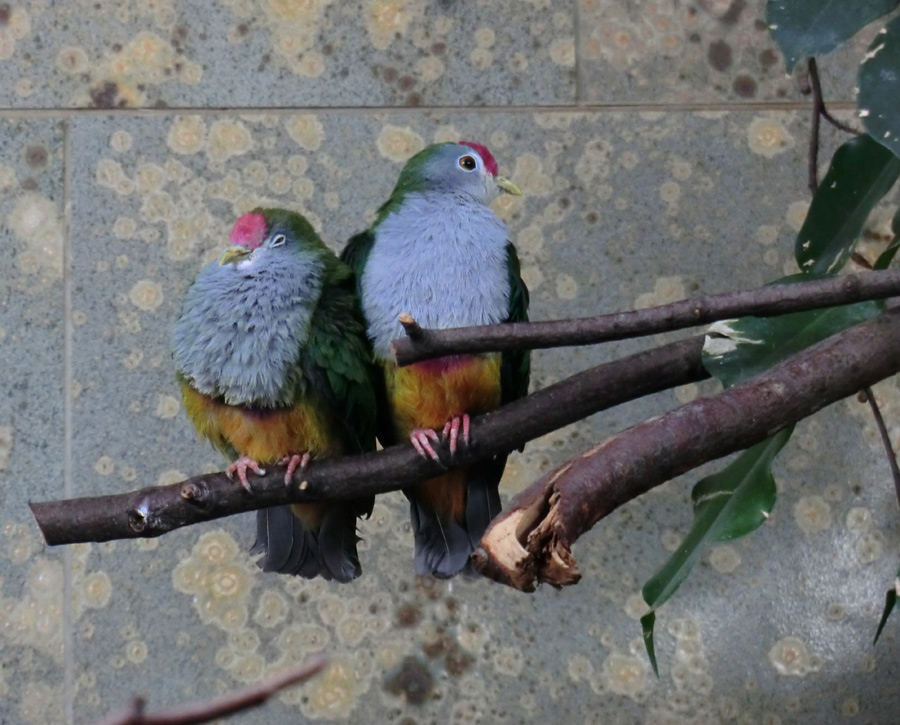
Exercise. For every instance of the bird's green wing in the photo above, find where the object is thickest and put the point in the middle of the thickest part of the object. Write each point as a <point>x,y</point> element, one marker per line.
<point>515,369</point>
<point>337,358</point>
<point>356,253</point>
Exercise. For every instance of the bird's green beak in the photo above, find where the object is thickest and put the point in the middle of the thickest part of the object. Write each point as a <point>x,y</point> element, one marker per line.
<point>233,254</point>
<point>509,187</point>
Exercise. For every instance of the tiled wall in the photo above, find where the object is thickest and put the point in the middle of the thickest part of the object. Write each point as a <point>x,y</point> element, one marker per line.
<point>662,151</point>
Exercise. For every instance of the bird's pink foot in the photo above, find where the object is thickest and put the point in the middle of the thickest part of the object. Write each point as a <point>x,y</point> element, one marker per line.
<point>242,465</point>
<point>298,460</point>
<point>421,438</point>
<point>451,430</point>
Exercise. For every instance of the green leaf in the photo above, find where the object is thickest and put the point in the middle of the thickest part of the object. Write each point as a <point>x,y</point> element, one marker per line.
<point>813,27</point>
<point>890,599</point>
<point>738,349</point>
<point>861,173</point>
<point>728,504</point>
<point>647,622</point>
<point>887,256</point>
<point>895,223</point>
<point>879,87</point>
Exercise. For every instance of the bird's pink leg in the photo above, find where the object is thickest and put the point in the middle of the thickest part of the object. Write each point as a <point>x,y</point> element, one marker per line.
<point>451,429</point>
<point>242,465</point>
<point>293,462</point>
<point>421,439</point>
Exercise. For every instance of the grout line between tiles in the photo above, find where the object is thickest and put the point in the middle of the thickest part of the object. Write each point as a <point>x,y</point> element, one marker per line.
<point>68,624</point>
<point>68,113</point>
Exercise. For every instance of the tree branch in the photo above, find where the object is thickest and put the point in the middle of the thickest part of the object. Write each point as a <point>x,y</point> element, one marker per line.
<point>153,511</point>
<point>763,302</point>
<point>531,540</point>
<point>227,704</point>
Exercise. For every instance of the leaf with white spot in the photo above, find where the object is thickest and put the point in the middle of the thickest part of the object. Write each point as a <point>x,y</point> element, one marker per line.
<point>738,349</point>
<point>812,27</point>
<point>879,87</point>
<point>861,173</point>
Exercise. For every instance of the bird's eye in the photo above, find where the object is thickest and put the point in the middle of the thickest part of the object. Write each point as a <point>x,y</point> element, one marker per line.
<point>468,163</point>
<point>278,240</point>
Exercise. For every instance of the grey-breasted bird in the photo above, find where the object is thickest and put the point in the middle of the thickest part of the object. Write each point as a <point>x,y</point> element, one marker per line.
<point>274,366</point>
<point>439,253</point>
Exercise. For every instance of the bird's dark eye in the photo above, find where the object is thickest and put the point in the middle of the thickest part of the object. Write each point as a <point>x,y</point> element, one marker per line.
<point>467,163</point>
<point>277,240</point>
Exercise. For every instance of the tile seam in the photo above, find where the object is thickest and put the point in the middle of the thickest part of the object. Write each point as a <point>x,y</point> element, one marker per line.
<point>68,114</point>
<point>68,624</point>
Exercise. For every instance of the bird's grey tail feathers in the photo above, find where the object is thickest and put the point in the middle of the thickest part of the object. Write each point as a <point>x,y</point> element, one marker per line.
<point>288,547</point>
<point>443,547</point>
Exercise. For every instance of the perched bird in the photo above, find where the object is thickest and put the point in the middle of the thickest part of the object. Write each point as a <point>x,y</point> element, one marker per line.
<point>274,367</point>
<point>437,252</point>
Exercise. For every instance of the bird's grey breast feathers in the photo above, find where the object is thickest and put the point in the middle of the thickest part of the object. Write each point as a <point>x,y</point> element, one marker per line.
<point>439,257</point>
<point>241,329</point>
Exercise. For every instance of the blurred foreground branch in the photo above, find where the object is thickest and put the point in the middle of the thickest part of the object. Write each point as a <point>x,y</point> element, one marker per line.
<point>222,706</point>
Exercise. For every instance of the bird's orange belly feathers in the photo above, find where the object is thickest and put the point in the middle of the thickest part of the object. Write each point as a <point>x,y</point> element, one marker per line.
<point>264,435</point>
<point>427,394</point>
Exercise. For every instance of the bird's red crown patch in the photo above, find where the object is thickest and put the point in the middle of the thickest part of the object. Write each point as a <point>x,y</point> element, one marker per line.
<point>490,163</point>
<point>249,230</point>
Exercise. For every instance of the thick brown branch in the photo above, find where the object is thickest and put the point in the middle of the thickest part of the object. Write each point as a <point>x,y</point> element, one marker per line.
<point>762,302</point>
<point>227,704</point>
<point>154,511</point>
<point>531,541</point>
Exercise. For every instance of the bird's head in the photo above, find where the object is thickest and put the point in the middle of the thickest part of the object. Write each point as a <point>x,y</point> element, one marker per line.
<point>265,235</point>
<point>465,167</point>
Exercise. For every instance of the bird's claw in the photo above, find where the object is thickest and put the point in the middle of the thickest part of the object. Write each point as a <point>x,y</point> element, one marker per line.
<point>293,462</point>
<point>451,430</point>
<point>421,438</point>
<point>241,466</point>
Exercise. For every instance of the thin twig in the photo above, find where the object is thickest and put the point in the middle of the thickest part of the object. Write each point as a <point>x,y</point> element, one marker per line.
<point>222,706</point>
<point>157,510</point>
<point>819,111</point>
<point>817,93</point>
<point>531,540</point>
<point>885,439</point>
<point>818,105</point>
<point>762,302</point>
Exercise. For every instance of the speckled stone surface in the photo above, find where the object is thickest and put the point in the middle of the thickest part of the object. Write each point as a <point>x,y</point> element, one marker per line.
<point>621,209</point>
<point>32,425</point>
<point>285,53</point>
<point>706,51</point>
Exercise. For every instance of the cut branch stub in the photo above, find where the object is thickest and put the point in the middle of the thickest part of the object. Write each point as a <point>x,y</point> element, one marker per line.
<point>548,517</point>
<point>411,327</point>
